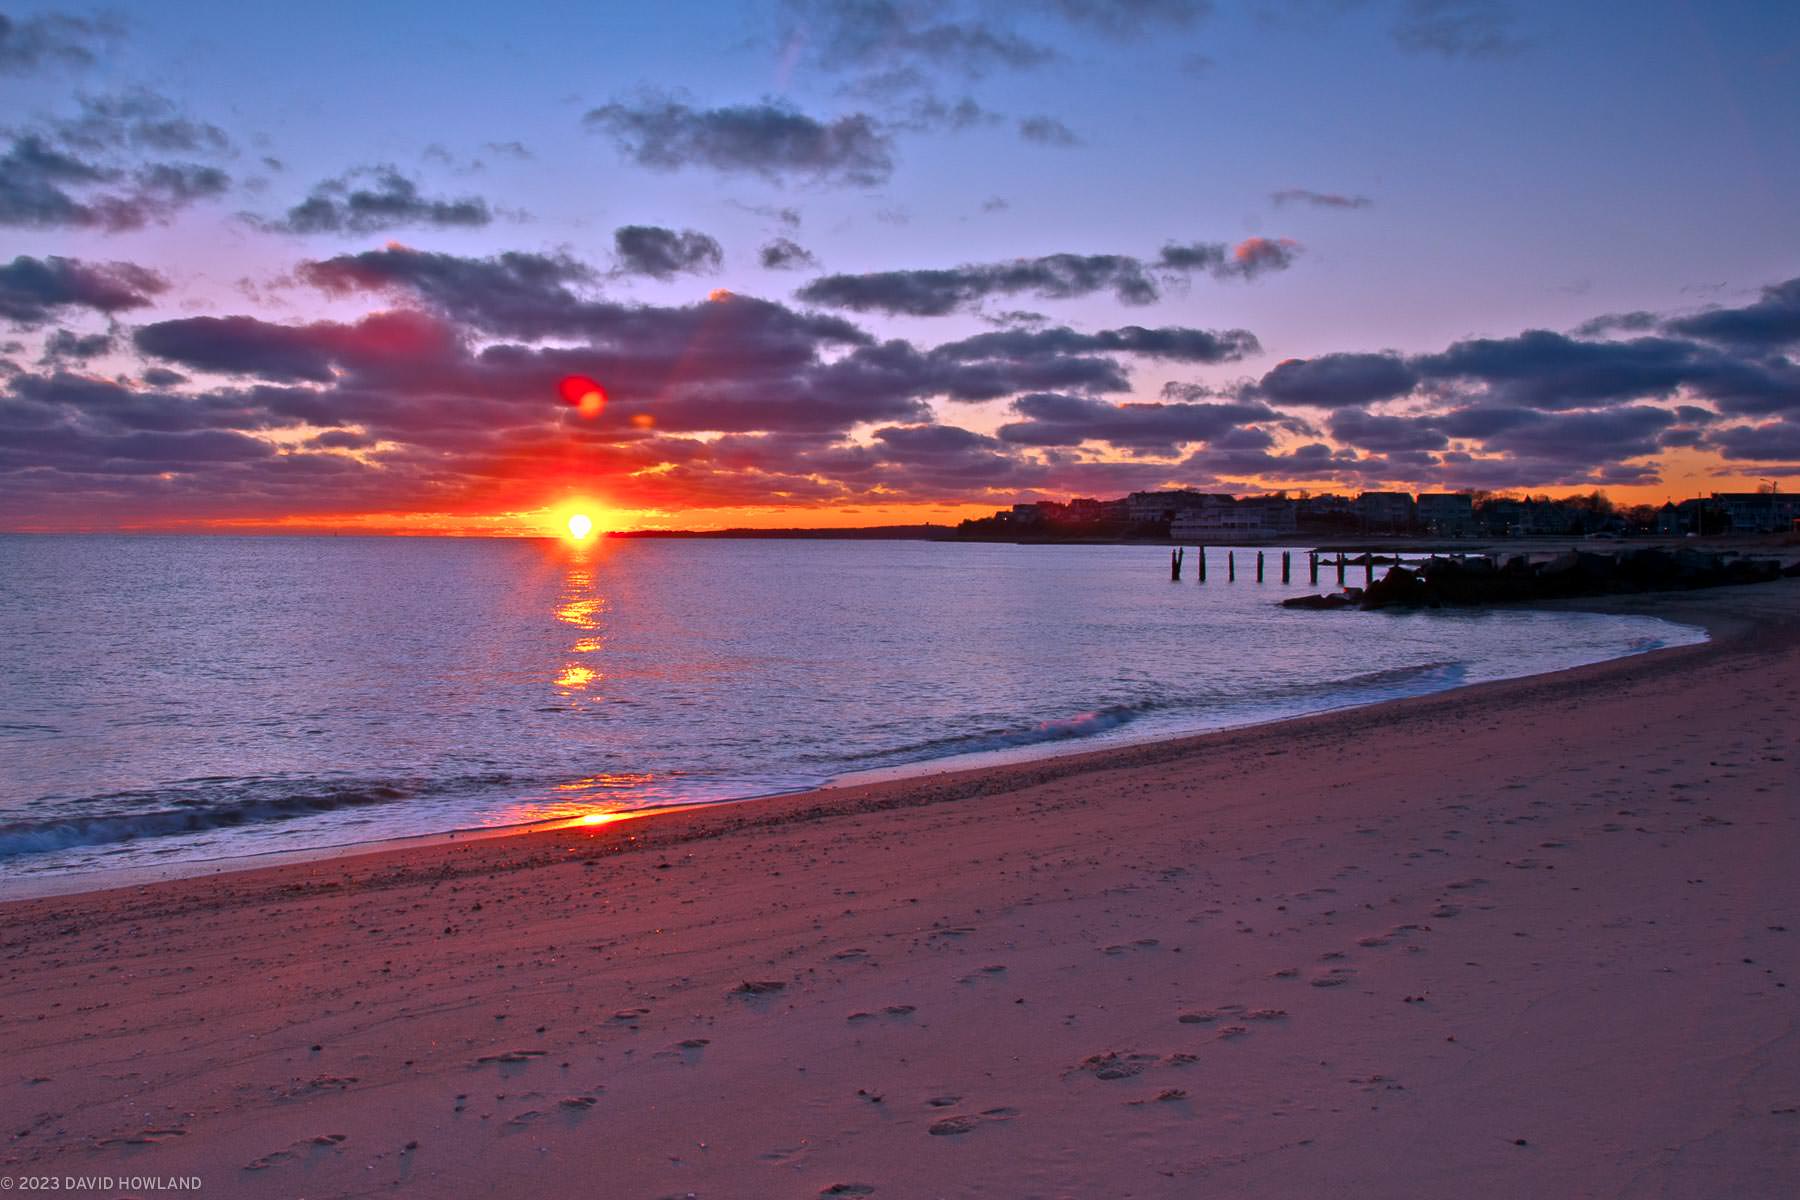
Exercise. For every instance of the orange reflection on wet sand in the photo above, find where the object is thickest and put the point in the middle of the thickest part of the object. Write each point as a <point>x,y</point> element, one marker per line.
<point>590,800</point>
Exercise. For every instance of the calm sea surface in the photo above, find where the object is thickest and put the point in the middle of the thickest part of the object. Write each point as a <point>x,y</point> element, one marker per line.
<point>173,699</point>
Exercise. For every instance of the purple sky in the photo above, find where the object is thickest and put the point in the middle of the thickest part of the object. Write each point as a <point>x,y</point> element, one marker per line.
<point>847,263</point>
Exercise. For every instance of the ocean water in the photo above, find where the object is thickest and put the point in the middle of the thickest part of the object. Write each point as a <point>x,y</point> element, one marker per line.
<point>173,699</point>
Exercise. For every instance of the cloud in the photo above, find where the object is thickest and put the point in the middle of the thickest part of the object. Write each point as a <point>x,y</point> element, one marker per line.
<point>1542,369</point>
<point>1626,322</point>
<point>786,216</point>
<point>1581,439</point>
<point>33,290</point>
<point>1337,380</point>
<point>865,35</point>
<point>1481,29</point>
<point>785,255</point>
<point>1047,131</point>
<point>1771,441</point>
<point>935,292</point>
<point>445,398</point>
<point>1769,323</point>
<point>138,119</point>
<point>771,139</point>
<point>1317,199</point>
<point>931,114</point>
<point>1248,457</point>
<point>1054,419</point>
<point>664,253</point>
<point>515,294</point>
<point>65,346</point>
<point>43,186</point>
<point>1170,342</point>
<point>246,346</point>
<point>1126,19</point>
<point>1384,435</point>
<point>1254,256</point>
<point>51,39</point>
<point>534,297</point>
<point>370,199</point>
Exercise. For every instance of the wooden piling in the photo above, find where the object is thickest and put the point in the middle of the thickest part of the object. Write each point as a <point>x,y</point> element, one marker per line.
<point>1340,568</point>
<point>1287,567</point>
<point>1259,576</point>
<point>1368,568</point>
<point>1312,567</point>
<point>1231,566</point>
<point>1174,566</point>
<point>1200,565</point>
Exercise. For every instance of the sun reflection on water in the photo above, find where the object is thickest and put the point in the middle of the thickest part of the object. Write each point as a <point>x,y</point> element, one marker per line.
<point>576,678</point>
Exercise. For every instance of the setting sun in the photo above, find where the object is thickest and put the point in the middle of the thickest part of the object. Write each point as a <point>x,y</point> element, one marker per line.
<point>580,525</point>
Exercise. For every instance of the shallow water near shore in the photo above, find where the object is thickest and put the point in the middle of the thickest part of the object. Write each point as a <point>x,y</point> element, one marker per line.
<point>170,699</point>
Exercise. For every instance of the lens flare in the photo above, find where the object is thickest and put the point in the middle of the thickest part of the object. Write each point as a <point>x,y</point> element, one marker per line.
<point>582,394</point>
<point>580,525</point>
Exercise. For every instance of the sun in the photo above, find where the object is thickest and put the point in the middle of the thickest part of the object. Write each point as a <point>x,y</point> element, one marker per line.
<point>580,526</point>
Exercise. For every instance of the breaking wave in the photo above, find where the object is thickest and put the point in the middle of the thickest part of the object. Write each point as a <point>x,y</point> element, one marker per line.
<point>202,805</point>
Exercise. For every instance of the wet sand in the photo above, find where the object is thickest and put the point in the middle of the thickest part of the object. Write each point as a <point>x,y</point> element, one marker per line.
<point>1539,937</point>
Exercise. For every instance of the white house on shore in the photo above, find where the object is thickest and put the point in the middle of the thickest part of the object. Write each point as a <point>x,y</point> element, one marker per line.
<point>1257,517</point>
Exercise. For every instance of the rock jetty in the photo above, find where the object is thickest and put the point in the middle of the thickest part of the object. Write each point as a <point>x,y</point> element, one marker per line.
<point>1478,580</point>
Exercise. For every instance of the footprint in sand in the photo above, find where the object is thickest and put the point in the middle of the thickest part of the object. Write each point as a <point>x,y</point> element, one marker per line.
<point>1114,1065</point>
<point>1166,1096</point>
<point>329,1141</point>
<point>968,1123</point>
<point>511,1056</point>
<point>1139,944</point>
<point>146,1137</point>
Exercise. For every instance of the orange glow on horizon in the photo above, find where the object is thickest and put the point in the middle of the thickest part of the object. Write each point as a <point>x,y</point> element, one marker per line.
<point>580,526</point>
<point>525,500</point>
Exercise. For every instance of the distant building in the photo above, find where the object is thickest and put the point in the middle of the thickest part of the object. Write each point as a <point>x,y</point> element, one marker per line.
<point>1757,512</point>
<point>1027,514</point>
<point>1385,511</point>
<point>1260,516</point>
<point>1502,518</point>
<point>1552,518</point>
<point>1166,506</point>
<point>1090,510</point>
<point>1447,514</point>
<point>1327,505</point>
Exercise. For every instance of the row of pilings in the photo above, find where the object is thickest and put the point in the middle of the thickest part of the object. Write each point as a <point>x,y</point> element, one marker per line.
<point>1368,562</point>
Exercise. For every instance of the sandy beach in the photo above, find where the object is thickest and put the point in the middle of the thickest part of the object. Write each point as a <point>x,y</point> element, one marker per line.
<point>1533,938</point>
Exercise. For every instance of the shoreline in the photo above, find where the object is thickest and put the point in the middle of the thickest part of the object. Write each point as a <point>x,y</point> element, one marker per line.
<point>1038,763</point>
<point>1527,937</point>
<point>73,883</point>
